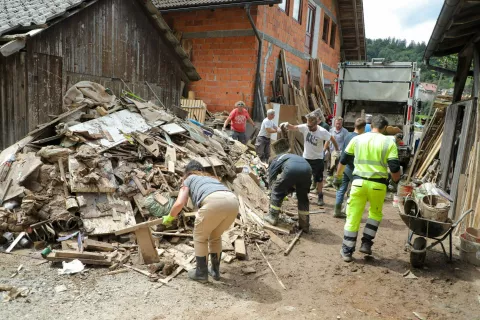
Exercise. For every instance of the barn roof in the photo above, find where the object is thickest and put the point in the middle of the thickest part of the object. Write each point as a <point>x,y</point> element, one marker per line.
<point>172,5</point>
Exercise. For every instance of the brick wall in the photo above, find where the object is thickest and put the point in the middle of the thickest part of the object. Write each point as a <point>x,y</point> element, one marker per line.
<point>226,64</point>
<point>282,26</point>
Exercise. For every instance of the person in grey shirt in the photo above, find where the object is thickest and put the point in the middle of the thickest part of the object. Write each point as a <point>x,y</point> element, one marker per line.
<point>262,145</point>
<point>218,208</point>
<point>340,134</point>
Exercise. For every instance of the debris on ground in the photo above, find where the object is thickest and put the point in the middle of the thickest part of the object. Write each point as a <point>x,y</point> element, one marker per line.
<point>91,186</point>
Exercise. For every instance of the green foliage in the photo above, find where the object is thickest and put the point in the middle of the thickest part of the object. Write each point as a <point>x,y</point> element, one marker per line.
<point>393,49</point>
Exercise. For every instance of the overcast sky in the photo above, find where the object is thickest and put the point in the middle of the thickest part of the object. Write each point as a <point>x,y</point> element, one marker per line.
<point>402,19</point>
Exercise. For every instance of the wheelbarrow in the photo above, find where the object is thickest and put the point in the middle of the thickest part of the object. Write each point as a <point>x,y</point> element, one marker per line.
<point>438,231</point>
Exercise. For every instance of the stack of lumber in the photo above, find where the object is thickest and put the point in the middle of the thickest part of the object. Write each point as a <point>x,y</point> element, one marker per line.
<point>317,87</point>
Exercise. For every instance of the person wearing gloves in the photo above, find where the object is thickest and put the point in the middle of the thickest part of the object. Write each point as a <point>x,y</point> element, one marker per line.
<point>218,208</point>
<point>239,117</point>
<point>373,155</point>
<point>314,136</point>
<point>288,172</point>
<point>340,134</point>
<point>262,145</point>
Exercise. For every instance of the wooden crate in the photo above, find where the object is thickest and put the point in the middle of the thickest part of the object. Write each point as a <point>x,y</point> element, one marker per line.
<point>196,109</point>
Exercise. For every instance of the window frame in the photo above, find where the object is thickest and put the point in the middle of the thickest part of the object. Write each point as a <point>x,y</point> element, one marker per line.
<point>300,7</point>
<point>326,34</point>
<point>287,7</point>
<point>333,35</point>
<point>310,25</point>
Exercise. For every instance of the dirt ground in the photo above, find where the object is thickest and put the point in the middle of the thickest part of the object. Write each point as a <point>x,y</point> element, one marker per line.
<point>319,284</point>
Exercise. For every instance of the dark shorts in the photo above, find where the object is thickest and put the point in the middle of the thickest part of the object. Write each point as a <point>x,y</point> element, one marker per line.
<point>240,136</point>
<point>317,169</point>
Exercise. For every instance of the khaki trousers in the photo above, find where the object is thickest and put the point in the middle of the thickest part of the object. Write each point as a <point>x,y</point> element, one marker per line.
<point>216,214</point>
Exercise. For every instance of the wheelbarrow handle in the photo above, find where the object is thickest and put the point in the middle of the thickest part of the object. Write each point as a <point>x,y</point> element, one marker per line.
<point>461,218</point>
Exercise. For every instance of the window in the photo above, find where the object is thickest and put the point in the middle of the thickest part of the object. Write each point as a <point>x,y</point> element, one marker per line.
<point>326,25</point>
<point>333,34</point>
<point>310,28</point>
<point>297,10</point>
<point>284,5</point>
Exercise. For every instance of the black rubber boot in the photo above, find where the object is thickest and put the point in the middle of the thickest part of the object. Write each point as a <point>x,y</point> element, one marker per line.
<point>272,217</point>
<point>214,269</point>
<point>304,222</point>
<point>338,212</point>
<point>200,273</point>
<point>366,247</point>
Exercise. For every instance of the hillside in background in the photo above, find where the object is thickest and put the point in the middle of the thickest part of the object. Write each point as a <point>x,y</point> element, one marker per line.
<point>393,49</point>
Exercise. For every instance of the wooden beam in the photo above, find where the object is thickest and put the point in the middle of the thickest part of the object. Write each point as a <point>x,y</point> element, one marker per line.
<point>463,69</point>
<point>138,226</point>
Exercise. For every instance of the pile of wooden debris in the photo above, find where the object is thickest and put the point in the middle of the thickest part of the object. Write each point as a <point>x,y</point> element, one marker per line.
<point>93,184</point>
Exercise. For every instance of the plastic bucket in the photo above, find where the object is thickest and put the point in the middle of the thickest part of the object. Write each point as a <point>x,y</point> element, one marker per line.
<point>434,208</point>
<point>395,201</point>
<point>472,234</point>
<point>469,251</point>
<point>404,190</point>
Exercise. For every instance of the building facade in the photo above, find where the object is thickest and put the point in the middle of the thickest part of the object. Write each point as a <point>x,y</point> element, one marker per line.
<point>225,48</point>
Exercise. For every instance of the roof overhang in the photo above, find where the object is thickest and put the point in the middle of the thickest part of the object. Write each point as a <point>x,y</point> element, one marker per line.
<point>457,27</point>
<point>210,5</point>
<point>352,25</point>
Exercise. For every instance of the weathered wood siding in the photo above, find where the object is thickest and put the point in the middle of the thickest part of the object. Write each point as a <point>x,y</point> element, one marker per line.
<point>107,42</point>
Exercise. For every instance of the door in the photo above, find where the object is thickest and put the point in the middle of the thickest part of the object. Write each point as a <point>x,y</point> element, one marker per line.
<point>310,28</point>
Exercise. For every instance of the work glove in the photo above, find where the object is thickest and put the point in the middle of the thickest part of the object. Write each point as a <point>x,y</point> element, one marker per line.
<point>337,182</point>
<point>168,220</point>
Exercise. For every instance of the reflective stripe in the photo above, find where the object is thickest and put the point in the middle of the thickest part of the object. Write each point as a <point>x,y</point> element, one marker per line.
<point>373,222</point>
<point>372,162</point>
<point>350,244</point>
<point>352,234</point>
<point>370,174</point>
<point>274,207</point>
<point>304,213</point>
<point>370,232</point>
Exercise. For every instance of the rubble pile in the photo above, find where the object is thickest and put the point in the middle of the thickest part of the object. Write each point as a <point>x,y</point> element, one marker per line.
<point>93,184</point>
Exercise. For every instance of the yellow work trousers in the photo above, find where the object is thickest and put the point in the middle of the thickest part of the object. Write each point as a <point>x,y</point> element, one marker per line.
<point>216,214</point>
<point>361,192</point>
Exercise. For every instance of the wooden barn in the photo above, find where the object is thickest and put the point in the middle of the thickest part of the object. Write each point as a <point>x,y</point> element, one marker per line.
<point>47,46</point>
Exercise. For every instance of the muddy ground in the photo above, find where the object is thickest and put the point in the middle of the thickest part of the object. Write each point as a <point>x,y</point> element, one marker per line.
<point>319,285</point>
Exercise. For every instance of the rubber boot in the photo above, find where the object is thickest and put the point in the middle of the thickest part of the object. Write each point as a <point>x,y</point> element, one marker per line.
<point>214,269</point>
<point>320,200</point>
<point>272,217</point>
<point>304,222</point>
<point>338,212</point>
<point>347,257</point>
<point>200,273</point>
<point>329,183</point>
<point>366,248</point>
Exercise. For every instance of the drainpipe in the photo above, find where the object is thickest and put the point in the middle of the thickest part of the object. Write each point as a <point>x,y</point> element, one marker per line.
<point>258,108</point>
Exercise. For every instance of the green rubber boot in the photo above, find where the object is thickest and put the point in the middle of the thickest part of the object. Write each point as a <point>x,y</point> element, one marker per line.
<point>338,212</point>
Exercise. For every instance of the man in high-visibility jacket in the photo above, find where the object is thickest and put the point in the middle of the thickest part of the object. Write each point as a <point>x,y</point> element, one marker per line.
<point>373,154</point>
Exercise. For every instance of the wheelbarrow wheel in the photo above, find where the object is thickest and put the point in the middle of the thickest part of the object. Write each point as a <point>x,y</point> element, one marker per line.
<point>418,253</point>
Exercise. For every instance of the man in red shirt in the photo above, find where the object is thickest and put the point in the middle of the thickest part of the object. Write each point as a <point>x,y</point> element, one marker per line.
<point>238,117</point>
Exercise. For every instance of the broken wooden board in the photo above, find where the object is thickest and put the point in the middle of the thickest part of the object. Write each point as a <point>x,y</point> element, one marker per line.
<point>106,183</point>
<point>148,143</point>
<point>93,245</point>
<point>52,257</point>
<point>277,240</point>
<point>152,114</point>
<point>97,224</point>
<point>116,124</point>
<point>21,169</point>
<point>240,249</point>
<point>251,193</point>
<point>146,245</point>
<point>171,159</point>
<point>207,162</point>
<point>226,242</point>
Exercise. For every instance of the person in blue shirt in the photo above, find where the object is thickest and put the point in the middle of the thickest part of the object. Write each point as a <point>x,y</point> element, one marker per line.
<point>368,119</point>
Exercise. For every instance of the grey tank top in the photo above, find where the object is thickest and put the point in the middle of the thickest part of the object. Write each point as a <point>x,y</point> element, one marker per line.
<point>200,187</point>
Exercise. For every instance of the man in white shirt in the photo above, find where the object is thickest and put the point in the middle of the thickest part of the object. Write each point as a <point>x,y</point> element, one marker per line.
<point>262,145</point>
<point>314,138</point>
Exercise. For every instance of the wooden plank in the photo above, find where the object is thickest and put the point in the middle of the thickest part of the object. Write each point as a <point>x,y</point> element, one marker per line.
<point>277,240</point>
<point>270,266</point>
<point>14,243</point>
<point>139,185</point>
<point>277,229</point>
<point>158,233</point>
<point>290,247</point>
<point>51,257</point>
<point>146,245</point>
<point>90,244</point>
<point>240,249</point>
<point>139,225</point>
<point>79,255</point>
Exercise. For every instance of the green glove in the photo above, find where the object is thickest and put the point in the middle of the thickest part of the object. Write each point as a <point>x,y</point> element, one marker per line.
<point>167,220</point>
<point>337,182</point>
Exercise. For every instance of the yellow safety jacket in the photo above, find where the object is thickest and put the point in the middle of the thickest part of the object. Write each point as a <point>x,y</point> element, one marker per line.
<point>372,151</point>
